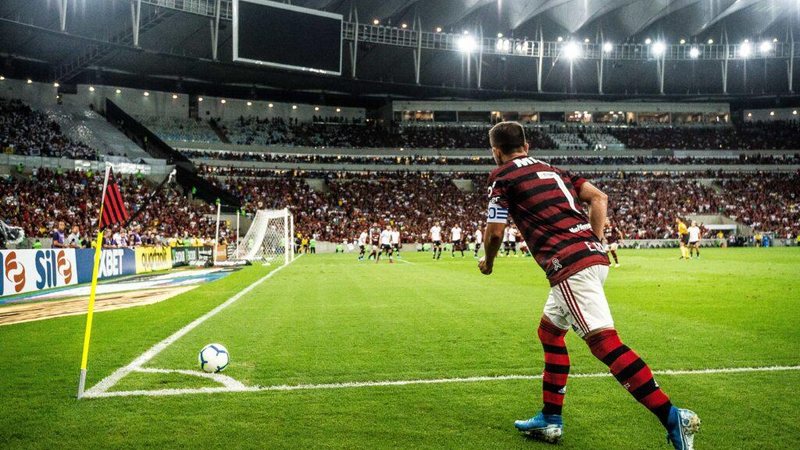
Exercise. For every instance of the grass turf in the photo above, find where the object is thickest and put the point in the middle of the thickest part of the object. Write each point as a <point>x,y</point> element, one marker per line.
<point>328,318</point>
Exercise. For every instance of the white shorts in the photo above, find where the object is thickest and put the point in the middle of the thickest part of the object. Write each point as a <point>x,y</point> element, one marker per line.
<point>580,302</point>
<point>613,247</point>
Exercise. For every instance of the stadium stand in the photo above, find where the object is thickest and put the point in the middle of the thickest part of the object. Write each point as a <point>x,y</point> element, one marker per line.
<point>179,130</point>
<point>645,205</point>
<point>24,131</point>
<point>38,202</point>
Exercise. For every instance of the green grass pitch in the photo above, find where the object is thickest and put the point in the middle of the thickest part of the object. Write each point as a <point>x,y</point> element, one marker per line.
<point>331,319</point>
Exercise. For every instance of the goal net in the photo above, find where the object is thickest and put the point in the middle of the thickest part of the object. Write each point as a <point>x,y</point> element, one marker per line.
<point>269,239</point>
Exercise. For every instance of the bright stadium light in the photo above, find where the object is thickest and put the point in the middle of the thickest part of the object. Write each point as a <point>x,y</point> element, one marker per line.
<point>503,45</point>
<point>91,88</point>
<point>56,84</point>
<point>710,41</point>
<point>765,47</point>
<point>694,52</point>
<point>199,99</point>
<point>338,109</point>
<point>438,29</point>
<point>659,48</point>
<point>270,105</point>
<point>586,40</point>
<point>316,108</point>
<point>560,39</point>
<point>745,49</point>
<point>294,106</point>
<point>572,50</point>
<point>223,101</point>
<point>2,78</point>
<point>499,35</point>
<point>648,41</point>
<point>249,103</point>
<point>794,113</point>
<point>404,26</point>
<point>376,22</point>
<point>683,41</point>
<point>146,94</point>
<point>608,47</point>
<point>466,44</point>
<point>174,96</point>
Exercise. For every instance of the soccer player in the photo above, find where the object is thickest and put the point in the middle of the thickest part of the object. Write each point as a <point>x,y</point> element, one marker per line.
<point>396,241</point>
<point>683,238</point>
<point>386,244</point>
<point>362,245</point>
<point>545,203</point>
<point>478,239</point>
<point>694,239</point>
<point>613,236</point>
<point>436,237</point>
<point>455,238</point>
<point>510,238</point>
<point>374,238</point>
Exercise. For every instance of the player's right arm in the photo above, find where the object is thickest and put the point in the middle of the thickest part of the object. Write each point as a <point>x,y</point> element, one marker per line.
<point>598,206</point>
<point>491,245</point>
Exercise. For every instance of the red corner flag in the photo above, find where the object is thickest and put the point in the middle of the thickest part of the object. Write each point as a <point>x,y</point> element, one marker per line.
<point>113,207</point>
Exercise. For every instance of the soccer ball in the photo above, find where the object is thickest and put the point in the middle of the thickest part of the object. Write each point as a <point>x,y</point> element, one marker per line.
<point>213,358</point>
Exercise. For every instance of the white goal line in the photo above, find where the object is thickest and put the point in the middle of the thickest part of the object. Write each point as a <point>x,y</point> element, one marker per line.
<point>367,384</point>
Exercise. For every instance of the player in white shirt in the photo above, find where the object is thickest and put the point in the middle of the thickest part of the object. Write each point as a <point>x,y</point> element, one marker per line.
<point>456,234</point>
<point>362,245</point>
<point>386,244</point>
<point>694,239</point>
<point>436,237</point>
<point>396,242</point>
<point>510,239</point>
<point>478,240</point>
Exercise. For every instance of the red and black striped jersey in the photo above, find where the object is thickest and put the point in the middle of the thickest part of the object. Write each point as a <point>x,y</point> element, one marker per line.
<point>544,204</point>
<point>612,235</point>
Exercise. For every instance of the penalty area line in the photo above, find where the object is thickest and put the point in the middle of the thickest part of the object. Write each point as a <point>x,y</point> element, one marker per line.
<point>137,364</point>
<point>367,384</point>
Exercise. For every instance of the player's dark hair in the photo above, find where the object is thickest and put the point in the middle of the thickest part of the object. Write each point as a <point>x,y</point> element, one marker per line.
<point>507,136</point>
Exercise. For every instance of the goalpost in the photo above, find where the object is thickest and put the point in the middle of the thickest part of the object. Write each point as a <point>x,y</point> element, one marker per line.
<point>270,237</point>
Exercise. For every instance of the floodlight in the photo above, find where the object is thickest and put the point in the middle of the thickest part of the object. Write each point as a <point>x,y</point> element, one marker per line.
<point>683,41</point>
<point>694,52</point>
<point>659,48</point>
<point>608,47</point>
<point>438,29</point>
<point>710,41</point>
<point>572,50</point>
<point>466,44</point>
<point>765,47</point>
<point>648,41</point>
<point>745,49</point>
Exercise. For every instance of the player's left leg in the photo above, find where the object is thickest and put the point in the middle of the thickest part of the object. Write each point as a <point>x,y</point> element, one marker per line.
<point>589,307</point>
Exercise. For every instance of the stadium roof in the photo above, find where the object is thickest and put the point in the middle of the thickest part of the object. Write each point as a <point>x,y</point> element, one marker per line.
<point>175,46</point>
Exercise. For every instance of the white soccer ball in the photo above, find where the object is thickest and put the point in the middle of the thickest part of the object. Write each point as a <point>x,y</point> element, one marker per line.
<point>213,358</point>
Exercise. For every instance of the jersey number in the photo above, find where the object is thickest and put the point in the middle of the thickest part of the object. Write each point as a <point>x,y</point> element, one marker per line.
<point>560,182</point>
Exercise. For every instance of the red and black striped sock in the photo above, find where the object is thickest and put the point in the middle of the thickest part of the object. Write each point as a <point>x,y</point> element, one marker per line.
<point>556,367</point>
<point>631,372</point>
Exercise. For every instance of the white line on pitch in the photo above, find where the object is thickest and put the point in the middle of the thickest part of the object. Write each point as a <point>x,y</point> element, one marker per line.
<point>109,381</point>
<point>366,384</point>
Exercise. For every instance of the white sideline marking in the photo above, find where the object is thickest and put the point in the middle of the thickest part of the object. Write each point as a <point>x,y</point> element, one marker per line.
<point>365,384</point>
<point>106,383</point>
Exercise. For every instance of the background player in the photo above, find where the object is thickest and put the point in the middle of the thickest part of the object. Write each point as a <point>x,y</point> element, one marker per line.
<point>567,245</point>
<point>386,244</point>
<point>362,245</point>
<point>396,241</point>
<point>613,236</point>
<point>436,237</point>
<point>694,239</point>
<point>478,239</point>
<point>456,234</point>
<point>683,238</point>
<point>374,239</point>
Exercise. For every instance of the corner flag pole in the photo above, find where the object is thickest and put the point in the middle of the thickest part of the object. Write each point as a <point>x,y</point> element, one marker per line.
<point>98,249</point>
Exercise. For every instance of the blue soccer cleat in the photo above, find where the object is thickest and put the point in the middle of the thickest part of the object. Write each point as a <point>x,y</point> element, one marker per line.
<point>681,427</point>
<point>545,427</point>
